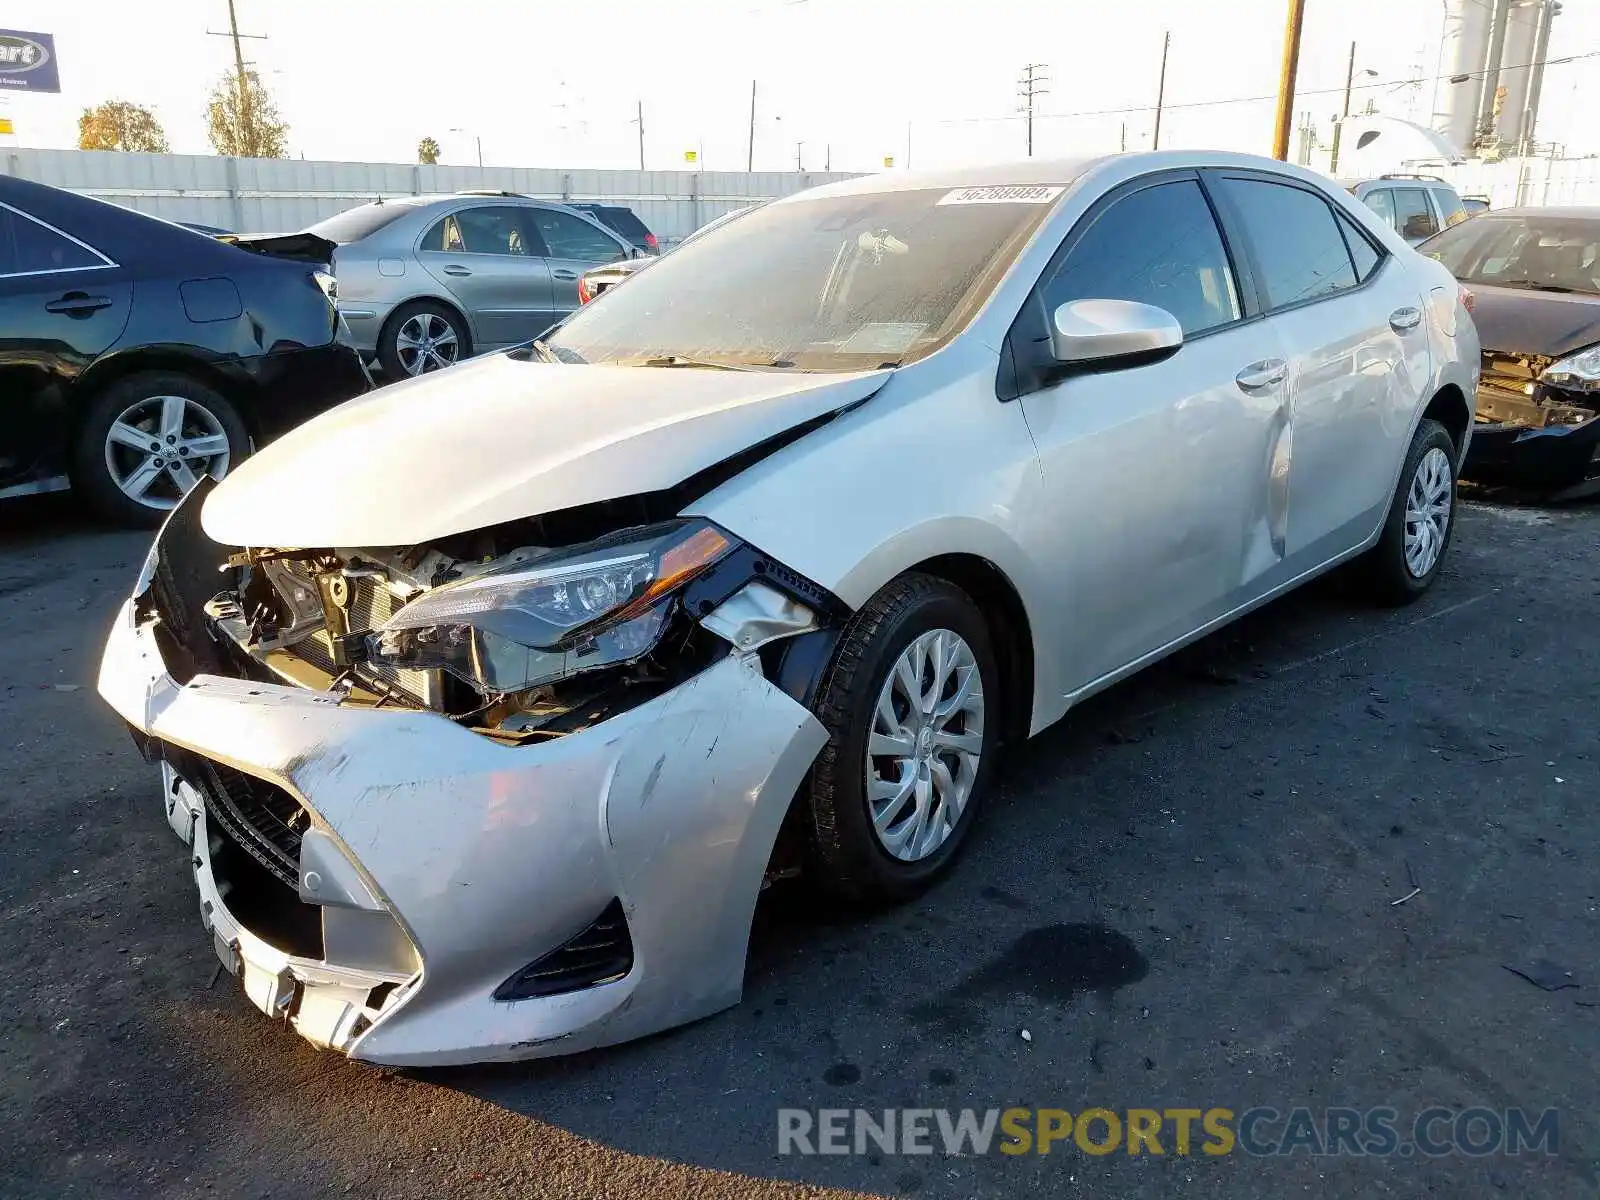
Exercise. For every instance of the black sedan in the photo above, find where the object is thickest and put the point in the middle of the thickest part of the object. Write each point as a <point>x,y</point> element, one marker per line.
<point>136,355</point>
<point>1535,276</point>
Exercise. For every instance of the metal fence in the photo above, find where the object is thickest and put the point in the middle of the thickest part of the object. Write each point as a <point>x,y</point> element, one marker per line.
<point>261,195</point>
<point>1543,180</point>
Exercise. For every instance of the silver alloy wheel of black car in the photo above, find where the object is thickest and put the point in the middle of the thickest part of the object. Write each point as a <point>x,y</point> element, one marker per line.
<point>158,447</point>
<point>925,745</point>
<point>426,341</point>
<point>1427,520</point>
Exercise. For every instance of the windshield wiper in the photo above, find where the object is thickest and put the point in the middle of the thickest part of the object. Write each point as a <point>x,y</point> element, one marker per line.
<point>1530,284</point>
<point>553,354</point>
<point>681,360</point>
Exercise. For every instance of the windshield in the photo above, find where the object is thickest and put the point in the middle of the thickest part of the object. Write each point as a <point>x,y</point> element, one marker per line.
<point>1556,253</point>
<point>353,224</point>
<point>833,283</point>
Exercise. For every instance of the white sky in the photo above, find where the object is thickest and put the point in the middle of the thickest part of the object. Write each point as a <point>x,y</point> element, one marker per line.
<point>554,82</point>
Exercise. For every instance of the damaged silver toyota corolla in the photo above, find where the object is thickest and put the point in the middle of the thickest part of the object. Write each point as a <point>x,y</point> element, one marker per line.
<point>489,702</point>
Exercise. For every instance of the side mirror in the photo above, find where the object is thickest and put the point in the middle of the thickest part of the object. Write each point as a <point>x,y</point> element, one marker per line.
<point>1105,334</point>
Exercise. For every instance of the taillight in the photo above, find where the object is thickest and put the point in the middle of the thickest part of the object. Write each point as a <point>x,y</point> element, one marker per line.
<point>584,294</point>
<point>1468,299</point>
<point>650,241</point>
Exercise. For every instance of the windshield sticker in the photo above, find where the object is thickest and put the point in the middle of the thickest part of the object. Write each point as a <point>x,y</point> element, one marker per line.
<point>882,337</point>
<point>1009,194</point>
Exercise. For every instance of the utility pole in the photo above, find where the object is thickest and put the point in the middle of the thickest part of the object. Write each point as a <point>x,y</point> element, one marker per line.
<point>1161,89</point>
<point>908,145</point>
<point>247,123</point>
<point>799,163</point>
<point>640,120</point>
<point>1286,78</point>
<point>1338,129</point>
<point>827,157</point>
<point>1124,137</point>
<point>750,154</point>
<point>1029,86</point>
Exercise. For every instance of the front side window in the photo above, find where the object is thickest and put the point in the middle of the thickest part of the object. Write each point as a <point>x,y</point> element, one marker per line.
<point>567,236</point>
<point>1413,216</point>
<point>1538,251</point>
<point>27,247</point>
<point>819,283</point>
<point>490,230</point>
<point>1160,246</point>
<point>1299,253</point>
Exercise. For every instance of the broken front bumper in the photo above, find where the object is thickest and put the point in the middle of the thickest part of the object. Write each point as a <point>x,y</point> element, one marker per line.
<point>1558,458</point>
<point>443,863</point>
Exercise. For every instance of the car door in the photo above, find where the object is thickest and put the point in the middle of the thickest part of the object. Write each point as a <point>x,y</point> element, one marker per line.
<point>1160,503</point>
<point>62,304</point>
<point>573,245</point>
<point>486,260</point>
<point>1349,318</point>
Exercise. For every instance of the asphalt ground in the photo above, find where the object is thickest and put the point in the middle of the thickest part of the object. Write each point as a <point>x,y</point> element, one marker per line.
<point>1185,893</point>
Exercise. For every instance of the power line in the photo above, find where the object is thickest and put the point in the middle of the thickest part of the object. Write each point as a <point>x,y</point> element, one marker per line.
<point>1144,108</point>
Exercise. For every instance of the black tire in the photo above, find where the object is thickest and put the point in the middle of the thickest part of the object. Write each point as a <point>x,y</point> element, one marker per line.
<point>91,473</point>
<point>847,859</point>
<point>388,350</point>
<point>1389,578</point>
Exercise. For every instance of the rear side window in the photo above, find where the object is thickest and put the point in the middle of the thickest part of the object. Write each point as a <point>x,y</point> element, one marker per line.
<point>493,230</point>
<point>1450,205</point>
<point>1413,217</point>
<point>1160,246</point>
<point>1298,252</point>
<point>1363,254</point>
<point>1381,201</point>
<point>626,222</point>
<point>28,248</point>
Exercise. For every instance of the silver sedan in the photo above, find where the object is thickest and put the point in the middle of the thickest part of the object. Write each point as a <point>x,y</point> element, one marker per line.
<point>485,745</point>
<point>426,281</point>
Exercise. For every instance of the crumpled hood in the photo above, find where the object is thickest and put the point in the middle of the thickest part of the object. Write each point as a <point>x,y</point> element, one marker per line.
<point>1517,321</point>
<point>499,439</point>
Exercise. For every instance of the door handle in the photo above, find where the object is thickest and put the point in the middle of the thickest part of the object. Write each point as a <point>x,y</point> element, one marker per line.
<point>457,269</point>
<point>78,304</point>
<point>1264,374</point>
<point>563,273</point>
<point>1401,320</point>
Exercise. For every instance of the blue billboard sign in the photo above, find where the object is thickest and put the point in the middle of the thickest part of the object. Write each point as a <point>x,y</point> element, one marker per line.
<point>28,62</point>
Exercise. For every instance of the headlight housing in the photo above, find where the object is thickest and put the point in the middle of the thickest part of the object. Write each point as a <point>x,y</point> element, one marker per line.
<point>560,614</point>
<point>1580,372</point>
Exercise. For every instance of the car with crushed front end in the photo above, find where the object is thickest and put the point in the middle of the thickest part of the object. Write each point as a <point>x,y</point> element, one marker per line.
<point>485,742</point>
<point>1535,278</point>
<point>137,355</point>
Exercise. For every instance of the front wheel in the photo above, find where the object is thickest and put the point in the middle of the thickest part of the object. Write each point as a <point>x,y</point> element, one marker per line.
<point>911,706</point>
<point>1417,531</point>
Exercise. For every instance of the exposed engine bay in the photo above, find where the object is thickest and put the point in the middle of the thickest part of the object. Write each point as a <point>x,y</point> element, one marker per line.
<point>1516,391</point>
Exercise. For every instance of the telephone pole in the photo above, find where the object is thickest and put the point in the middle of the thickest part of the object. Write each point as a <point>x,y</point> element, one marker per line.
<point>640,120</point>
<point>750,154</point>
<point>1286,78</point>
<point>799,162</point>
<point>247,124</point>
<point>1338,128</point>
<point>1161,89</point>
<point>1028,87</point>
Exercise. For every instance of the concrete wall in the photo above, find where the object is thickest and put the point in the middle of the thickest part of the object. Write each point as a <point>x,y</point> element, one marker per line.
<point>258,195</point>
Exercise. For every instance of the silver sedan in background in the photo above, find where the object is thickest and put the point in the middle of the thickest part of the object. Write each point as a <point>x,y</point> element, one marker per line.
<point>426,281</point>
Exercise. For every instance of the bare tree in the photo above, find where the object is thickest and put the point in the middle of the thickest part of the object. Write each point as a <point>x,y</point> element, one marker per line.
<point>121,125</point>
<point>244,122</point>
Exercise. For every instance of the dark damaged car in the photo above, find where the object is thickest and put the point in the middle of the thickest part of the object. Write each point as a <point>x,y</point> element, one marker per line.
<point>1535,275</point>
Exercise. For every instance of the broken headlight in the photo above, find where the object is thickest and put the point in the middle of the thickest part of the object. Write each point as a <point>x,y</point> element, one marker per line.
<point>1579,372</point>
<point>544,619</point>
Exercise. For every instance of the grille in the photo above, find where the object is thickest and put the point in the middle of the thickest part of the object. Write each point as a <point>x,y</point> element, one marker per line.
<point>263,819</point>
<point>601,953</point>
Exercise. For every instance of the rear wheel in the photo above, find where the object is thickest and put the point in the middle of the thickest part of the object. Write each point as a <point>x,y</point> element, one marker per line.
<point>910,745</point>
<point>1421,520</point>
<point>422,336</point>
<point>147,439</point>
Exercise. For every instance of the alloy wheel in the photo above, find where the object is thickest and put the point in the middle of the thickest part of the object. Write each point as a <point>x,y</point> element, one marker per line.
<point>925,744</point>
<point>426,342</point>
<point>158,447</point>
<point>1428,512</point>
